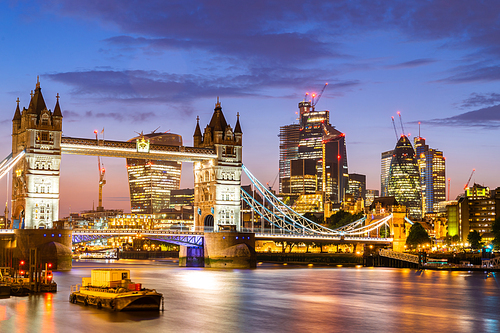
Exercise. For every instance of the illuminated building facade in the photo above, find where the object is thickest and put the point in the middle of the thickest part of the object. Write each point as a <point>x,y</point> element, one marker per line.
<point>432,168</point>
<point>404,178</point>
<point>477,210</point>
<point>385,166</point>
<point>35,178</point>
<point>182,197</point>
<point>321,158</point>
<point>150,181</point>
<point>217,182</point>
<point>370,196</point>
<point>289,149</point>
<point>357,186</point>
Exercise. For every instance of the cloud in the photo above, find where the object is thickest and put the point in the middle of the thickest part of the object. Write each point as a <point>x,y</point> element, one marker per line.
<point>473,73</point>
<point>476,100</point>
<point>412,63</point>
<point>134,86</point>
<point>486,118</point>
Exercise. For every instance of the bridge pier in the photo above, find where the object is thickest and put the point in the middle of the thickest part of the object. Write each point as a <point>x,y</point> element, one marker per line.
<point>190,256</point>
<point>230,250</point>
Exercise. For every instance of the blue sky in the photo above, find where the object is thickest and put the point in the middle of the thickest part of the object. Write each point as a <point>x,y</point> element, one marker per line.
<point>131,66</point>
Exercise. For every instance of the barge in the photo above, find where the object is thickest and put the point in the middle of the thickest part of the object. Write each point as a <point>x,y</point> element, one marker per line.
<point>112,289</point>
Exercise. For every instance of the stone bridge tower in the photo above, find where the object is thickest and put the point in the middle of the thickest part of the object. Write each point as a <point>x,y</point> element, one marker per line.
<point>217,182</point>
<point>35,178</point>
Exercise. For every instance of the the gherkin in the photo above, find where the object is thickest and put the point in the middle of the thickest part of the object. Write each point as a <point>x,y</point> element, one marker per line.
<point>404,178</point>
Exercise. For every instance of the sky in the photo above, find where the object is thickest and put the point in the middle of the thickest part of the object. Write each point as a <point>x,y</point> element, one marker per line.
<point>132,66</point>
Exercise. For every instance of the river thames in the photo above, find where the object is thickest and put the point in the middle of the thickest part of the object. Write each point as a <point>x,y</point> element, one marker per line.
<point>272,298</point>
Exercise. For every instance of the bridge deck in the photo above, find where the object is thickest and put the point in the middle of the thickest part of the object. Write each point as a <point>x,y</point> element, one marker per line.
<point>79,146</point>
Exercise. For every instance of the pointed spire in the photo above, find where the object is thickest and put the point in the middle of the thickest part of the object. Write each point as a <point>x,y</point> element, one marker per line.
<point>237,127</point>
<point>218,122</point>
<point>197,131</point>
<point>37,103</point>
<point>57,108</point>
<point>17,114</point>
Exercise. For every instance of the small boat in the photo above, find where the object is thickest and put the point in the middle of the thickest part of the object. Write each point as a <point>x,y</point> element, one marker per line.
<point>112,289</point>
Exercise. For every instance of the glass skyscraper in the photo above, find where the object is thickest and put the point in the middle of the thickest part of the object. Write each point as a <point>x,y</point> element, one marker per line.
<point>404,178</point>
<point>150,181</point>
<point>316,154</point>
<point>431,164</point>
<point>385,166</point>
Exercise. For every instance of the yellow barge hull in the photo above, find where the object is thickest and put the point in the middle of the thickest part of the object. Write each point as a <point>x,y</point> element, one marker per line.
<point>144,300</point>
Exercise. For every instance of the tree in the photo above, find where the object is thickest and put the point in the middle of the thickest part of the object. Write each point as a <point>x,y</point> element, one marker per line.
<point>495,229</point>
<point>341,218</point>
<point>474,239</point>
<point>417,236</point>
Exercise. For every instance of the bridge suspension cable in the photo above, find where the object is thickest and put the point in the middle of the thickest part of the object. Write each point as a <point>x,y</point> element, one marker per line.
<point>8,163</point>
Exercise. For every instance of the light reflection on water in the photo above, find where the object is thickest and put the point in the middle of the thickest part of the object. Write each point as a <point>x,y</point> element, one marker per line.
<point>272,299</point>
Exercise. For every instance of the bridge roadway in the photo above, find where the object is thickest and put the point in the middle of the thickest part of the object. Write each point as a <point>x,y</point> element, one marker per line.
<point>90,147</point>
<point>195,238</point>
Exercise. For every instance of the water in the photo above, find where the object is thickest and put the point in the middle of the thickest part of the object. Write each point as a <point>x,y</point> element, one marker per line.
<point>273,298</point>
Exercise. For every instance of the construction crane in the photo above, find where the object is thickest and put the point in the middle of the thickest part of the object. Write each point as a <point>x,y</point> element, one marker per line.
<point>394,125</point>
<point>274,182</point>
<point>467,185</point>
<point>315,101</point>
<point>102,172</point>
<point>401,121</point>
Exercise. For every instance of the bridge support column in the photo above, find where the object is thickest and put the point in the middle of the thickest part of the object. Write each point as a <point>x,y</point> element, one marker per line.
<point>230,250</point>
<point>191,256</point>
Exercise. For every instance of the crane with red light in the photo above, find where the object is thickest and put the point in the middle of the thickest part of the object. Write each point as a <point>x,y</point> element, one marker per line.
<point>467,185</point>
<point>102,172</point>
<point>313,101</point>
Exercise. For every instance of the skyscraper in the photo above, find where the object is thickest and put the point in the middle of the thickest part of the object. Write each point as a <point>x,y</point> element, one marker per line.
<point>431,165</point>
<point>385,166</point>
<point>357,186</point>
<point>151,181</point>
<point>289,149</point>
<point>320,164</point>
<point>404,178</point>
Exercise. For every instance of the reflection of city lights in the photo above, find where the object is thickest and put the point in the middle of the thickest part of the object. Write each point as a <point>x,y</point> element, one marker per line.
<point>200,280</point>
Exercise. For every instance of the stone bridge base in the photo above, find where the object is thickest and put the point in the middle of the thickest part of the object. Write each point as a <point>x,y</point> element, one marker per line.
<point>221,250</point>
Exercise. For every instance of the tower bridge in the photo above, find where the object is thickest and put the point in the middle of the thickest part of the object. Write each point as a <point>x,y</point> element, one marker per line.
<point>37,145</point>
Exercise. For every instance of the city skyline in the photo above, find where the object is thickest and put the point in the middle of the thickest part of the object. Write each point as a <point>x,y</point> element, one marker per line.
<point>133,68</point>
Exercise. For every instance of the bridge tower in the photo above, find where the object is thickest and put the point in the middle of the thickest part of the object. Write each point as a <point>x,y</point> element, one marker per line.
<point>35,179</point>
<point>217,182</point>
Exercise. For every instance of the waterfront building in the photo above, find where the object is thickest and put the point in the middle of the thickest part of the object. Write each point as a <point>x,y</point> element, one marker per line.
<point>151,181</point>
<point>289,149</point>
<point>35,179</point>
<point>357,186</point>
<point>385,166</point>
<point>320,163</point>
<point>431,165</point>
<point>404,178</point>
<point>476,211</point>
<point>182,197</point>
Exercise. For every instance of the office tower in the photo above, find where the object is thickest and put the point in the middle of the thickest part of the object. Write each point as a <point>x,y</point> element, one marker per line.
<point>404,178</point>
<point>150,181</point>
<point>477,210</point>
<point>371,195</point>
<point>182,197</point>
<point>431,164</point>
<point>321,163</point>
<point>357,186</point>
<point>385,165</point>
<point>289,149</point>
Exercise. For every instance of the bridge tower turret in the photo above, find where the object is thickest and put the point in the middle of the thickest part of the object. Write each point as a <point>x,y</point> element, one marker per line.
<point>217,182</point>
<point>35,179</point>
